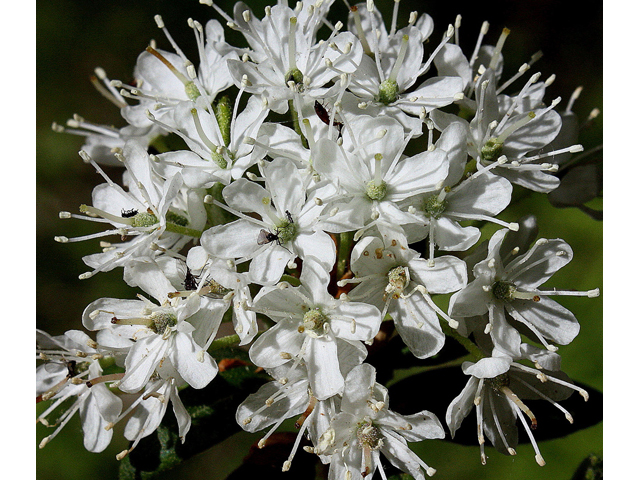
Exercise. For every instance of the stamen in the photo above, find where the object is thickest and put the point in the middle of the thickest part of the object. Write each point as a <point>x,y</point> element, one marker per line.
<point>496,54</point>
<point>105,378</point>
<point>538,457</point>
<point>394,17</point>
<point>483,31</point>
<point>403,51</point>
<point>445,40</point>
<point>515,126</point>
<point>185,81</point>
<point>499,426</point>
<point>360,31</point>
<point>106,215</point>
<point>516,400</point>
<point>106,90</point>
<point>574,96</point>
<point>544,397</point>
<point>292,43</point>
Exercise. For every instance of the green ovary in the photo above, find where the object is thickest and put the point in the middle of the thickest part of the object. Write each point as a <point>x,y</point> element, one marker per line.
<point>376,191</point>
<point>491,150</point>
<point>314,321</point>
<point>369,435</point>
<point>434,207</point>
<point>192,91</point>
<point>162,320</point>
<point>287,231</point>
<point>503,290</point>
<point>388,92</point>
<point>294,76</point>
<point>144,219</point>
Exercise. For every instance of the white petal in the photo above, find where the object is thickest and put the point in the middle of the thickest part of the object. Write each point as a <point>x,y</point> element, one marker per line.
<point>448,274</point>
<point>141,362</point>
<point>418,325</point>
<point>460,406</point>
<point>282,337</point>
<point>325,377</point>
<point>184,357</point>
<point>96,437</point>
<point>489,367</point>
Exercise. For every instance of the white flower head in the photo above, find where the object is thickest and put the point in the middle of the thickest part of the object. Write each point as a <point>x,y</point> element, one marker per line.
<point>315,328</point>
<point>285,230</point>
<point>397,280</point>
<point>507,283</point>
<point>286,58</point>
<point>365,428</point>
<point>158,334</point>
<point>496,389</point>
<point>393,64</point>
<point>166,80</point>
<point>275,402</point>
<point>152,211</point>
<point>373,175</point>
<point>476,197</point>
<point>76,373</point>
<point>218,150</point>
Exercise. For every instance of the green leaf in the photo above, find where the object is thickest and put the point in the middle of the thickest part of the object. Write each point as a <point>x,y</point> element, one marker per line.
<point>589,469</point>
<point>212,411</point>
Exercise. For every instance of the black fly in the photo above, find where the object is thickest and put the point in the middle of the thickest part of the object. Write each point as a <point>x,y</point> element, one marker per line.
<point>289,217</point>
<point>266,236</point>
<point>324,116</point>
<point>128,213</point>
<point>190,280</point>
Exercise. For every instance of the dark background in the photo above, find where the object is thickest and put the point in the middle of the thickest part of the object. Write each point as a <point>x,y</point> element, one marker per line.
<point>74,37</point>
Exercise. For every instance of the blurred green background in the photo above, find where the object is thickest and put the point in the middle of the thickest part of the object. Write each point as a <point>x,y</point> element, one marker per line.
<point>75,36</point>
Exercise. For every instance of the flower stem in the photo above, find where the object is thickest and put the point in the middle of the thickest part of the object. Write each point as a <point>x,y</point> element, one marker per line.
<point>471,347</point>
<point>189,232</point>
<point>225,342</point>
<point>345,243</point>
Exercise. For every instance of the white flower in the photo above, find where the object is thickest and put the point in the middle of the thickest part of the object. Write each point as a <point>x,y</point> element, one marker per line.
<point>63,376</point>
<point>373,175</point>
<point>161,333</point>
<point>148,211</point>
<point>392,66</point>
<point>165,80</point>
<point>399,282</point>
<point>149,409</point>
<point>477,197</point>
<point>219,279</point>
<point>286,228</point>
<point>286,57</point>
<point>217,154</point>
<point>313,327</point>
<point>366,428</point>
<point>496,389</point>
<point>507,282</point>
<point>510,136</point>
<point>275,402</point>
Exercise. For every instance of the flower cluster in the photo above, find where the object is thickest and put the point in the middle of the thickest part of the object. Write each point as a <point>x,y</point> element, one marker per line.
<point>307,235</point>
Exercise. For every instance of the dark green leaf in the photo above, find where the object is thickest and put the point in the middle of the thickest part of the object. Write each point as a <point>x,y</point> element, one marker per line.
<point>589,469</point>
